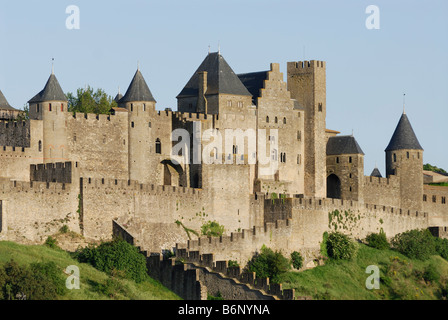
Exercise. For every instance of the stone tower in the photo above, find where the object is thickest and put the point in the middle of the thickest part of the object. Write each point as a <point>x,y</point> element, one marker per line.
<point>404,159</point>
<point>345,168</point>
<point>307,84</point>
<point>50,105</point>
<point>140,103</point>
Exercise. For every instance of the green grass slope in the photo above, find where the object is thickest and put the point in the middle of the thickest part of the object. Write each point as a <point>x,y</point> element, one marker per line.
<point>401,278</point>
<point>94,284</point>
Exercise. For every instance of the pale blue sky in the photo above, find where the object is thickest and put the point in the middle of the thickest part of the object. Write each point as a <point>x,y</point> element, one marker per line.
<point>367,70</point>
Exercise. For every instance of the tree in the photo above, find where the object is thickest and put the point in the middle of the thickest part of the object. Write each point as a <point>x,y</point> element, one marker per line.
<point>269,264</point>
<point>89,101</point>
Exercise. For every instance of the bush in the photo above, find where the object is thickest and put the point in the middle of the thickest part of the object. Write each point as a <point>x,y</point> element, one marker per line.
<point>269,264</point>
<point>212,229</point>
<point>441,246</point>
<point>296,260</point>
<point>64,229</point>
<point>340,246</point>
<point>51,243</point>
<point>115,255</point>
<point>378,240</point>
<point>39,281</point>
<point>431,274</point>
<point>416,244</point>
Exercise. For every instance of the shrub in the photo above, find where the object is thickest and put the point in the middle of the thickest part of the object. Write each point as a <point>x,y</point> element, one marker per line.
<point>378,240</point>
<point>296,260</point>
<point>441,246</point>
<point>340,246</point>
<point>416,244</point>
<point>51,243</point>
<point>431,274</point>
<point>212,229</point>
<point>269,264</point>
<point>115,255</point>
<point>39,281</point>
<point>64,229</point>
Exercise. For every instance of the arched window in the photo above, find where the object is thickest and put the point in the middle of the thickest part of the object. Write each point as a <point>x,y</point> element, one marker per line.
<point>235,149</point>
<point>275,120</point>
<point>284,120</point>
<point>267,119</point>
<point>158,146</point>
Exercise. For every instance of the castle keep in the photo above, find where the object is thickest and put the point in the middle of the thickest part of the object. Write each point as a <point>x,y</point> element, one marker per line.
<point>299,179</point>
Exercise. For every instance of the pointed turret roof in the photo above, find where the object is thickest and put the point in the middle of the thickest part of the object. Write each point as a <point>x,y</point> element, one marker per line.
<point>4,104</point>
<point>51,92</point>
<point>376,173</point>
<point>343,145</point>
<point>138,90</point>
<point>220,78</point>
<point>404,136</point>
<point>118,97</point>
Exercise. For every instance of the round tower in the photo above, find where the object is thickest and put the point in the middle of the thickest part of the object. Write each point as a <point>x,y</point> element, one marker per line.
<point>50,105</point>
<point>404,159</point>
<point>140,103</point>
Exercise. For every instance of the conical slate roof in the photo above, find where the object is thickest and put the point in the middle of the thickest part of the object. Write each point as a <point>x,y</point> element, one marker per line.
<point>376,173</point>
<point>220,79</point>
<point>343,145</point>
<point>4,105</point>
<point>404,136</point>
<point>138,90</point>
<point>51,92</point>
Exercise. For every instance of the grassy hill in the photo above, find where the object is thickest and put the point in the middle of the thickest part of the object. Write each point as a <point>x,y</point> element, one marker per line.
<point>94,284</point>
<point>401,278</point>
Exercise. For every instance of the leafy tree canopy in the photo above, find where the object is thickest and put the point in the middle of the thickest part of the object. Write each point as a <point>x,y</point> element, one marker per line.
<point>89,101</point>
<point>430,167</point>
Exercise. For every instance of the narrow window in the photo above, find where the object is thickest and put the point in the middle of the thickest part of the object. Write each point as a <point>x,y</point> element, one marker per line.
<point>337,159</point>
<point>275,120</point>
<point>274,155</point>
<point>299,159</point>
<point>407,154</point>
<point>299,135</point>
<point>424,198</point>
<point>395,157</point>
<point>49,107</point>
<point>284,120</point>
<point>235,149</point>
<point>132,107</point>
<point>267,119</point>
<point>434,199</point>
<point>62,107</point>
<point>40,146</point>
<point>37,108</point>
<point>443,200</point>
<point>149,124</point>
<point>132,124</point>
<point>319,106</point>
<point>350,159</point>
<point>158,146</point>
<point>144,107</point>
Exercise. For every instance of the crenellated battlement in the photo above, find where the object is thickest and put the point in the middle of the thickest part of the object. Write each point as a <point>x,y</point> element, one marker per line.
<point>303,65</point>
<point>131,185</point>
<point>52,172</point>
<point>7,185</point>
<point>377,181</point>
<point>102,118</point>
